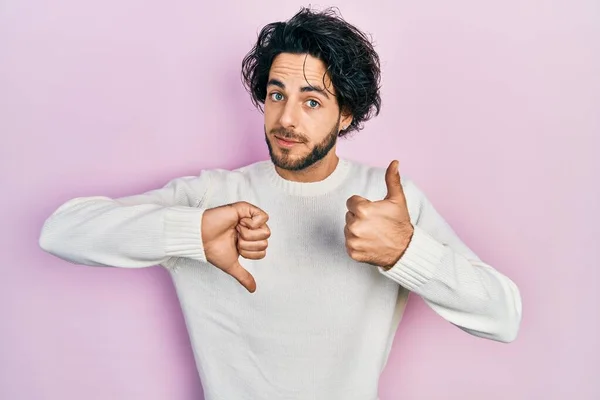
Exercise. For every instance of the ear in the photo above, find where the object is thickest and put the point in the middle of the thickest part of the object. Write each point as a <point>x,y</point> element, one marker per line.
<point>345,120</point>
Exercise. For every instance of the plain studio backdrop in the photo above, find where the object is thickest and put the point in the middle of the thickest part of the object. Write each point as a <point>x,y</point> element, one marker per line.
<point>492,107</point>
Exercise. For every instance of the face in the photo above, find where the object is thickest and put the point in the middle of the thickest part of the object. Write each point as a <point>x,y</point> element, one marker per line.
<point>302,116</point>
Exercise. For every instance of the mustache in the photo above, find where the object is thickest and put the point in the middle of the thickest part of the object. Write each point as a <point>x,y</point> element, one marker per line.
<point>288,134</point>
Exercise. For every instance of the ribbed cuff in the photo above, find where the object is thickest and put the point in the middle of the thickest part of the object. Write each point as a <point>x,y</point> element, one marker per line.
<point>418,264</point>
<point>183,233</point>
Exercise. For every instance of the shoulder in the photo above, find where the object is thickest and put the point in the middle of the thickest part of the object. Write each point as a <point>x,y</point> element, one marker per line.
<point>244,175</point>
<point>229,185</point>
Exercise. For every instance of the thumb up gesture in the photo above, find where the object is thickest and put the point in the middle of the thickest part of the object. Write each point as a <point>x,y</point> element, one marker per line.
<point>378,232</point>
<point>231,231</point>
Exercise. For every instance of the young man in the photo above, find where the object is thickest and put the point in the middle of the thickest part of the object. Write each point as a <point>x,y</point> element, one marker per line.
<point>329,248</point>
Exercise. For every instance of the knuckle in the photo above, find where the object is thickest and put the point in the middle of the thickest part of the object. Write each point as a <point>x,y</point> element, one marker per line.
<point>355,229</point>
<point>352,228</point>
<point>351,245</point>
<point>350,203</point>
<point>267,232</point>
<point>363,209</point>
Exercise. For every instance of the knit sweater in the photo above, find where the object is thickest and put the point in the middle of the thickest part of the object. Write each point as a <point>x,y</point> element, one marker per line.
<point>320,325</point>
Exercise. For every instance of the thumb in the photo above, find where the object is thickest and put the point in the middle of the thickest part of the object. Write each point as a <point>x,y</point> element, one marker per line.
<point>392,181</point>
<point>242,276</point>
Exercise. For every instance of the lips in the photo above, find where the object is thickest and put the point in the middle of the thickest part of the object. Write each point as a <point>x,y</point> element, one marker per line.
<point>286,139</point>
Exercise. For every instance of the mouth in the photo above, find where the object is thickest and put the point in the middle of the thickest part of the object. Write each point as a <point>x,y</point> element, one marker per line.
<point>286,142</point>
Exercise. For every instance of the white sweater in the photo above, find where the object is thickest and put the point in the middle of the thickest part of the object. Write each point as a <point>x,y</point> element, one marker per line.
<point>320,325</point>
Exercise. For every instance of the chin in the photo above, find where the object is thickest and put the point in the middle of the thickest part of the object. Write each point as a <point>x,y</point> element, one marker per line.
<point>288,162</point>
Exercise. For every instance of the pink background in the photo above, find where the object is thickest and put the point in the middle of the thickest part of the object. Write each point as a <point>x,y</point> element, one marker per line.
<point>493,108</point>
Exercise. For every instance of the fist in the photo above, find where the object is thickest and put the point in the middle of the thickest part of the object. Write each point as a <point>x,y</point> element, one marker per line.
<point>379,232</point>
<point>231,231</point>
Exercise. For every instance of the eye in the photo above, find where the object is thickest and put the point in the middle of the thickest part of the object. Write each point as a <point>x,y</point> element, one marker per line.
<point>313,104</point>
<point>276,96</point>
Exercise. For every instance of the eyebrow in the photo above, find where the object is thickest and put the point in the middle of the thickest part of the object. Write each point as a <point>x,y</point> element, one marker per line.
<point>303,89</point>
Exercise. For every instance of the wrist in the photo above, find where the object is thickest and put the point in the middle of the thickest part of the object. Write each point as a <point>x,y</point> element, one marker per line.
<point>405,238</point>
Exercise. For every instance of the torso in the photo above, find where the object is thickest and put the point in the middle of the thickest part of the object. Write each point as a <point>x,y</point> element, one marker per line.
<point>319,325</point>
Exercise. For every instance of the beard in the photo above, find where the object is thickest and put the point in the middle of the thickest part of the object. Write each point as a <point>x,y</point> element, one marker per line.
<point>318,152</point>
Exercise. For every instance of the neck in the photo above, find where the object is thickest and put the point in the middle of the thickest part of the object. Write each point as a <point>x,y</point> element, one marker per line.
<point>315,173</point>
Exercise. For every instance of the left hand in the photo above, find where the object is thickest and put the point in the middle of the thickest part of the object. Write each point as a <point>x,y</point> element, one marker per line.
<point>378,232</point>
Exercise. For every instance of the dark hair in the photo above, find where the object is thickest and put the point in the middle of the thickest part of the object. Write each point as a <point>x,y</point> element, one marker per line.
<point>351,60</point>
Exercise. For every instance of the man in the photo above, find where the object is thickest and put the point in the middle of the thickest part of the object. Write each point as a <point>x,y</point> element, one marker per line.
<point>329,248</point>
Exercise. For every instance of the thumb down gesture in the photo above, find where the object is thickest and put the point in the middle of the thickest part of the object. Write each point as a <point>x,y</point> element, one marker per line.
<point>231,231</point>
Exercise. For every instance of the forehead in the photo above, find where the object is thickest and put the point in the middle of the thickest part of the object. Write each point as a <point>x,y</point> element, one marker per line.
<point>295,69</point>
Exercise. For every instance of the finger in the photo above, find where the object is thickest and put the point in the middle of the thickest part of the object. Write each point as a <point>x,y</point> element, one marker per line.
<point>393,183</point>
<point>252,216</point>
<point>253,255</point>
<point>242,276</point>
<point>350,217</point>
<point>354,202</point>
<point>348,234</point>
<point>261,233</point>
<point>256,245</point>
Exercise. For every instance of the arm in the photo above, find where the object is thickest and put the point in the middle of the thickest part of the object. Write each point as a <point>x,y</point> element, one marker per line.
<point>130,232</point>
<point>453,281</point>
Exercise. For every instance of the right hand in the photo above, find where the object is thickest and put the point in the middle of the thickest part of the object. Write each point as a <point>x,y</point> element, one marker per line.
<point>231,231</point>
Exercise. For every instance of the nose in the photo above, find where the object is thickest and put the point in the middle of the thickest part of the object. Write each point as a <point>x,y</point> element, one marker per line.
<point>289,115</point>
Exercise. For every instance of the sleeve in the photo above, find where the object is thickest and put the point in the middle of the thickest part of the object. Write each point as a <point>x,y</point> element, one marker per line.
<point>143,230</point>
<point>453,281</point>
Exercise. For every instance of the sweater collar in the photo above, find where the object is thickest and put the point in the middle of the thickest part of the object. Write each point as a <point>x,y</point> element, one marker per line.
<point>331,182</point>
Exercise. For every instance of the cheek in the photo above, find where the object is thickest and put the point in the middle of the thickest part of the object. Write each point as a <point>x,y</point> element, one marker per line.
<point>271,114</point>
<point>320,122</point>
